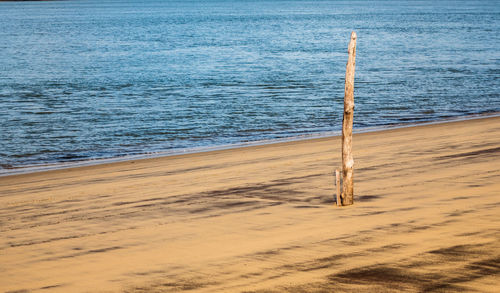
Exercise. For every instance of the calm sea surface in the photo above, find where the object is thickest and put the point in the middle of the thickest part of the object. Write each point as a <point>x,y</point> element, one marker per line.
<point>83,80</point>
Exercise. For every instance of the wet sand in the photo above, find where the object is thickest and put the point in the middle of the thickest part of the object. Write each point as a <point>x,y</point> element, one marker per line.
<point>262,219</point>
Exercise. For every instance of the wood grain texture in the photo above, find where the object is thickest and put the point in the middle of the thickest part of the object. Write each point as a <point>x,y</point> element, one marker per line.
<point>347,121</point>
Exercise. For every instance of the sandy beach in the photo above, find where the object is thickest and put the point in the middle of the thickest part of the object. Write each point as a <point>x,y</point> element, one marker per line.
<point>262,219</point>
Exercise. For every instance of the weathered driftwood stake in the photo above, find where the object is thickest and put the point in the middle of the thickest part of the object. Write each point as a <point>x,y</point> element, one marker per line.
<point>347,159</point>
<point>337,184</point>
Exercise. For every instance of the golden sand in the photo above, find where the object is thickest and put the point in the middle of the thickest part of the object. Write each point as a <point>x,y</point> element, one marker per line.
<point>262,219</point>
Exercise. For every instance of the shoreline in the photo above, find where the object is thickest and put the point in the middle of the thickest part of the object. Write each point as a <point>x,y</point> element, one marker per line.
<point>179,152</point>
<point>426,217</point>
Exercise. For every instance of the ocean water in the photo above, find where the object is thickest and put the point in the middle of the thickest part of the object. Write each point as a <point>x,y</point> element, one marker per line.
<point>83,80</point>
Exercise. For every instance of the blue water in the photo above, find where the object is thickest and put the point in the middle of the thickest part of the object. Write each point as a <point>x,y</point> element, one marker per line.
<point>93,79</point>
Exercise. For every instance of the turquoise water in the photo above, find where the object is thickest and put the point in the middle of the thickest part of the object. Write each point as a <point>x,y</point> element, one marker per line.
<point>83,80</point>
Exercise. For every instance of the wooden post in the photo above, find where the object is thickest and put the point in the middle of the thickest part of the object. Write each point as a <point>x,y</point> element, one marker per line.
<point>337,184</point>
<point>347,159</point>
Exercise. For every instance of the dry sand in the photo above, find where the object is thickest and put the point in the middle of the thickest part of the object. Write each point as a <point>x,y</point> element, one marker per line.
<point>262,219</point>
